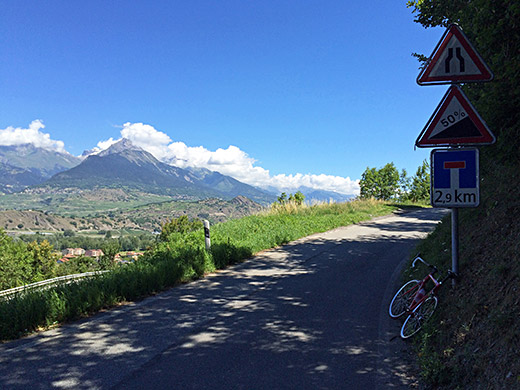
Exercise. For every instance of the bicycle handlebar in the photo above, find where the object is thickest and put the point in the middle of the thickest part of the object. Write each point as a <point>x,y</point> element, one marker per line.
<point>450,274</point>
<point>418,257</point>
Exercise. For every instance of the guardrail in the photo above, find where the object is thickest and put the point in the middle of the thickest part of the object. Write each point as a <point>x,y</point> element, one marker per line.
<point>48,283</point>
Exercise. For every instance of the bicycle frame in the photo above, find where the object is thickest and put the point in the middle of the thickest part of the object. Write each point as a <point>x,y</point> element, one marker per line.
<point>432,291</point>
<point>436,285</point>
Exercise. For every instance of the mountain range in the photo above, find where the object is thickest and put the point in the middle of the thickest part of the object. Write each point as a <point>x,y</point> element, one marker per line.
<point>26,165</point>
<point>124,166</point>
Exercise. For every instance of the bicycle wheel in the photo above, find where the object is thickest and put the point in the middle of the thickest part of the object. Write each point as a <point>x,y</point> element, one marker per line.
<point>403,298</point>
<point>419,316</point>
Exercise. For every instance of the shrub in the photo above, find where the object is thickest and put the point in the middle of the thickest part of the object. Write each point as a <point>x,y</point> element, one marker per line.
<point>179,225</point>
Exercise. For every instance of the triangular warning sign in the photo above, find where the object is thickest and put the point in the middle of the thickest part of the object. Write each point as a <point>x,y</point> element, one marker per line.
<point>455,122</point>
<point>454,60</point>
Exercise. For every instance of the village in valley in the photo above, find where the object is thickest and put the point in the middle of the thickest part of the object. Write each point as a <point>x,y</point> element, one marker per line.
<point>121,257</point>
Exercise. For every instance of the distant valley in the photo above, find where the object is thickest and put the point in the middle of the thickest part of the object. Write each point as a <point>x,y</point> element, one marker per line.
<point>122,187</point>
<point>144,218</point>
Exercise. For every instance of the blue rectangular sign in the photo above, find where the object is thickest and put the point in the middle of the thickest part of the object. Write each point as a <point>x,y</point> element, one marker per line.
<point>455,178</point>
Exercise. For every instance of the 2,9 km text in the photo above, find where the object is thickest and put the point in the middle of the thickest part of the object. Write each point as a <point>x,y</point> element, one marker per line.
<point>455,198</point>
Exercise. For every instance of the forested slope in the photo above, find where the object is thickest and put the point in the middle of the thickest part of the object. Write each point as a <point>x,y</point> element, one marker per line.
<point>473,341</point>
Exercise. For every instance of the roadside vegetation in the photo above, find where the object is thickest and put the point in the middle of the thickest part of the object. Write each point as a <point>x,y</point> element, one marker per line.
<point>387,183</point>
<point>33,258</point>
<point>69,239</point>
<point>178,256</point>
<point>472,341</point>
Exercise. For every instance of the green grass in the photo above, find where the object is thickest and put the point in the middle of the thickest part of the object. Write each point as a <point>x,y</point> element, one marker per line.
<point>289,222</point>
<point>179,259</point>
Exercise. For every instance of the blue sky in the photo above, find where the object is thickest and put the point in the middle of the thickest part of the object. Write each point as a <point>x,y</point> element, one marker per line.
<point>275,93</point>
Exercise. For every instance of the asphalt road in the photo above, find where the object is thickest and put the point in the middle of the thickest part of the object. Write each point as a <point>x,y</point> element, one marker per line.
<point>309,315</point>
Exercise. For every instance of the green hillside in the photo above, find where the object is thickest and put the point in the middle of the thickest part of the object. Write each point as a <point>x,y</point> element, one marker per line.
<point>472,341</point>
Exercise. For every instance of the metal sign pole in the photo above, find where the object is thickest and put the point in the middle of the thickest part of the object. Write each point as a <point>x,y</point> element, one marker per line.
<point>455,242</point>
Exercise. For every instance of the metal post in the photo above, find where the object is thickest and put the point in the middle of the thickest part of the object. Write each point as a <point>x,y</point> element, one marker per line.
<point>206,234</point>
<point>455,242</point>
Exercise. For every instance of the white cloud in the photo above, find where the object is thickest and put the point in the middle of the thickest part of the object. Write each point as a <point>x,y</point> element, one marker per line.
<point>12,136</point>
<point>144,136</point>
<point>148,138</point>
<point>343,185</point>
<point>231,161</point>
<point>102,145</point>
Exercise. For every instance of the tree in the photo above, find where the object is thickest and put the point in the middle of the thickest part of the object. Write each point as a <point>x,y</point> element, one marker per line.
<point>69,233</point>
<point>368,183</point>
<point>389,182</point>
<point>282,199</point>
<point>420,187</point>
<point>43,261</point>
<point>110,249</point>
<point>404,185</point>
<point>15,262</point>
<point>297,198</point>
<point>127,244</point>
<point>179,225</point>
<point>81,264</point>
<point>382,184</point>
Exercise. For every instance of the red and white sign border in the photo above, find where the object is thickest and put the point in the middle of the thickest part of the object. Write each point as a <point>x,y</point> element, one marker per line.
<point>424,77</point>
<point>486,137</point>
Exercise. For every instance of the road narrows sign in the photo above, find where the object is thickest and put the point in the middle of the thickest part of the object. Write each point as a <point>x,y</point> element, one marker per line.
<point>455,178</point>
<point>454,60</point>
<point>455,122</point>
